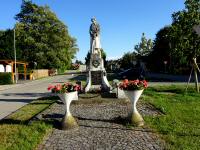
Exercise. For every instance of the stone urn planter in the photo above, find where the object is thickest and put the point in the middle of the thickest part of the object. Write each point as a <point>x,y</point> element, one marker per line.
<point>134,96</point>
<point>68,121</point>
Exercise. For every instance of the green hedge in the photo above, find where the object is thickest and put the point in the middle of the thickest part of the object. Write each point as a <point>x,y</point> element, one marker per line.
<point>5,78</point>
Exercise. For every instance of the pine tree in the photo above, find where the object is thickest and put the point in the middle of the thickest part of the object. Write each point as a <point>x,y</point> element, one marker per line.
<point>144,47</point>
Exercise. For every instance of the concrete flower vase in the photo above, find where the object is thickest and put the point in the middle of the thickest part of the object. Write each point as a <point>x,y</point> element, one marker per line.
<point>134,95</point>
<point>68,121</point>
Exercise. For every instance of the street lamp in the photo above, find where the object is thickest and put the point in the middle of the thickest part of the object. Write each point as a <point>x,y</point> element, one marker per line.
<point>15,58</point>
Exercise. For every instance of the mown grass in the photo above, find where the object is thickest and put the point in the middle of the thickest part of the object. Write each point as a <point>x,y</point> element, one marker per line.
<point>180,124</point>
<point>16,133</point>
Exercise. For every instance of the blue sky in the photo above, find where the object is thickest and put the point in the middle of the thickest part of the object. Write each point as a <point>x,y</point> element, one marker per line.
<point>122,22</point>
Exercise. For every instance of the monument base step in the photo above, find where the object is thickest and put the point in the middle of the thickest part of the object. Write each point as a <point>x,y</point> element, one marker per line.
<point>108,95</point>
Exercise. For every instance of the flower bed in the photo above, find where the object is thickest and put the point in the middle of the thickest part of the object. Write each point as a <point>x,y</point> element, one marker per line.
<point>63,88</point>
<point>133,84</point>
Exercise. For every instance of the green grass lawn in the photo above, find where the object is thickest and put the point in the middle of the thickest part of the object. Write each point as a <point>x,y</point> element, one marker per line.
<point>16,133</point>
<point>180,123</point>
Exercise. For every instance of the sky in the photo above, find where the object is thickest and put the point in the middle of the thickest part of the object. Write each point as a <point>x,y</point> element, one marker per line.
<point>122,22</point>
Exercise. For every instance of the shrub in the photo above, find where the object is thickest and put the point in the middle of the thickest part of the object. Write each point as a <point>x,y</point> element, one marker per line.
<point>5,78</point>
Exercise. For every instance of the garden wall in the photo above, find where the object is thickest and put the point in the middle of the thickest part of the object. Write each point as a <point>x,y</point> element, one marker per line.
<point>40,73</point>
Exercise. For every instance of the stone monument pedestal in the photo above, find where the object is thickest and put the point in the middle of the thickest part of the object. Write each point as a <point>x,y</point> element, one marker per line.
<point>97,76</point>
<point>96,79</point>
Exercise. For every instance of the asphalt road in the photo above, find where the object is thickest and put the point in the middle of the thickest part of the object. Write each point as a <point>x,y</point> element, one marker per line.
<point>14,97</point>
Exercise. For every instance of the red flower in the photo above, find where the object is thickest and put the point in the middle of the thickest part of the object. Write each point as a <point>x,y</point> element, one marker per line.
<point>50,87</point>
<point>77,87</point>
<point>133,84</point>
<point>64,88</point>
<point>58,87</point>
<point>126,81</point>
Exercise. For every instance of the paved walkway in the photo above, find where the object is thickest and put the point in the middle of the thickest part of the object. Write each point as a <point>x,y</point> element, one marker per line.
<point>13,97</point>
<point>102,125</point>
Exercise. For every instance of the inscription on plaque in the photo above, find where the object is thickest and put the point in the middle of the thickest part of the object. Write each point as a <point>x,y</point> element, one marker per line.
<point>96,77</point>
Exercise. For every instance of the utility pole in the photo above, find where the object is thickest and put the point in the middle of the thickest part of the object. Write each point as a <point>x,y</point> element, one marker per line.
<point>15,59</point>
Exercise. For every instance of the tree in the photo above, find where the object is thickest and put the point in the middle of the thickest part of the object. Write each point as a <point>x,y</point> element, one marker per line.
<point>103,56</point>
<point>43,38</point>
<point>6,45</point>
<point>127,60</point>
<point>186,43</point>
<point>87,59</point>
<point>144,47</point>
<point>161,50</point>
<point>79,62</point>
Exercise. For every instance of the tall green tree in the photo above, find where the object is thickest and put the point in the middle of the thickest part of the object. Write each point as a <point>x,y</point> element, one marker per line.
<point>161,50</point>
<point>6,44</point>
<point>186,45</point>
<point>43,38</point>
<point>144,47</point>
<point>127,60</point>
<point>185,42</point>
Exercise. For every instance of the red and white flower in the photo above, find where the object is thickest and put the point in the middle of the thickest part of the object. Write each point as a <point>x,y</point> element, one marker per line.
<point>133,84</point>
<point>63,88</point>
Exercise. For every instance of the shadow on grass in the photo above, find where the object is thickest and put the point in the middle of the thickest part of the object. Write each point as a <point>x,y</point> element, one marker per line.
<point>172,89</point>
<point>52,122</point>
<point>13,121</point>
<point>10,120</point>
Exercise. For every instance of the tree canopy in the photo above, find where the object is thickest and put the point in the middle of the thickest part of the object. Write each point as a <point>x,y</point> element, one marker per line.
<point>144,47</point>
<point>161,50</point>
<point>127,60</point>
<point>185,42</point>
<point>42,38</point>
<point>6,44</point>
<point>178,43</point>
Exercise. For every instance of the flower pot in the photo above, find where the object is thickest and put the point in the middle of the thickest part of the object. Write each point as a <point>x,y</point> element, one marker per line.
<point>68,121</point>
<point>63,95</point>
<point>134,95</point>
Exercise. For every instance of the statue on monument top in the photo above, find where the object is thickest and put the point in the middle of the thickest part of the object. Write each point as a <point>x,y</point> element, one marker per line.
<point>95,45</point>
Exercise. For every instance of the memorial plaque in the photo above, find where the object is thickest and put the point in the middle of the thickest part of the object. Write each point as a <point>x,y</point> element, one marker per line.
<point>96,77</point>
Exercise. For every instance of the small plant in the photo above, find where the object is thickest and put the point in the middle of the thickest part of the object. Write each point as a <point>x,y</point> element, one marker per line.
<point>63,88</point>
<point>133,84</point>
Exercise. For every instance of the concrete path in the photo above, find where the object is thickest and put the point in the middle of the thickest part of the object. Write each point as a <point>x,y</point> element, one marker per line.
<point>102,126</point>
<point>13,97</point>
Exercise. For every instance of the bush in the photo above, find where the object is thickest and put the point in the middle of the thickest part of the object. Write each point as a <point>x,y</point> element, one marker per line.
<point>5,78</point>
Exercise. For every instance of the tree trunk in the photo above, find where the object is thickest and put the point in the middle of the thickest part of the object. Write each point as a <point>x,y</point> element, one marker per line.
<point>195,74</point>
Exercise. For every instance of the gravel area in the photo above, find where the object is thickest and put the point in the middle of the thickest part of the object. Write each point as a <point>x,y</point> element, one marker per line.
<point>103,125</point>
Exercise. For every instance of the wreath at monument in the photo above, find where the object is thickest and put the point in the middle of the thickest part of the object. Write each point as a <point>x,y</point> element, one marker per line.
<point>95,63</point>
